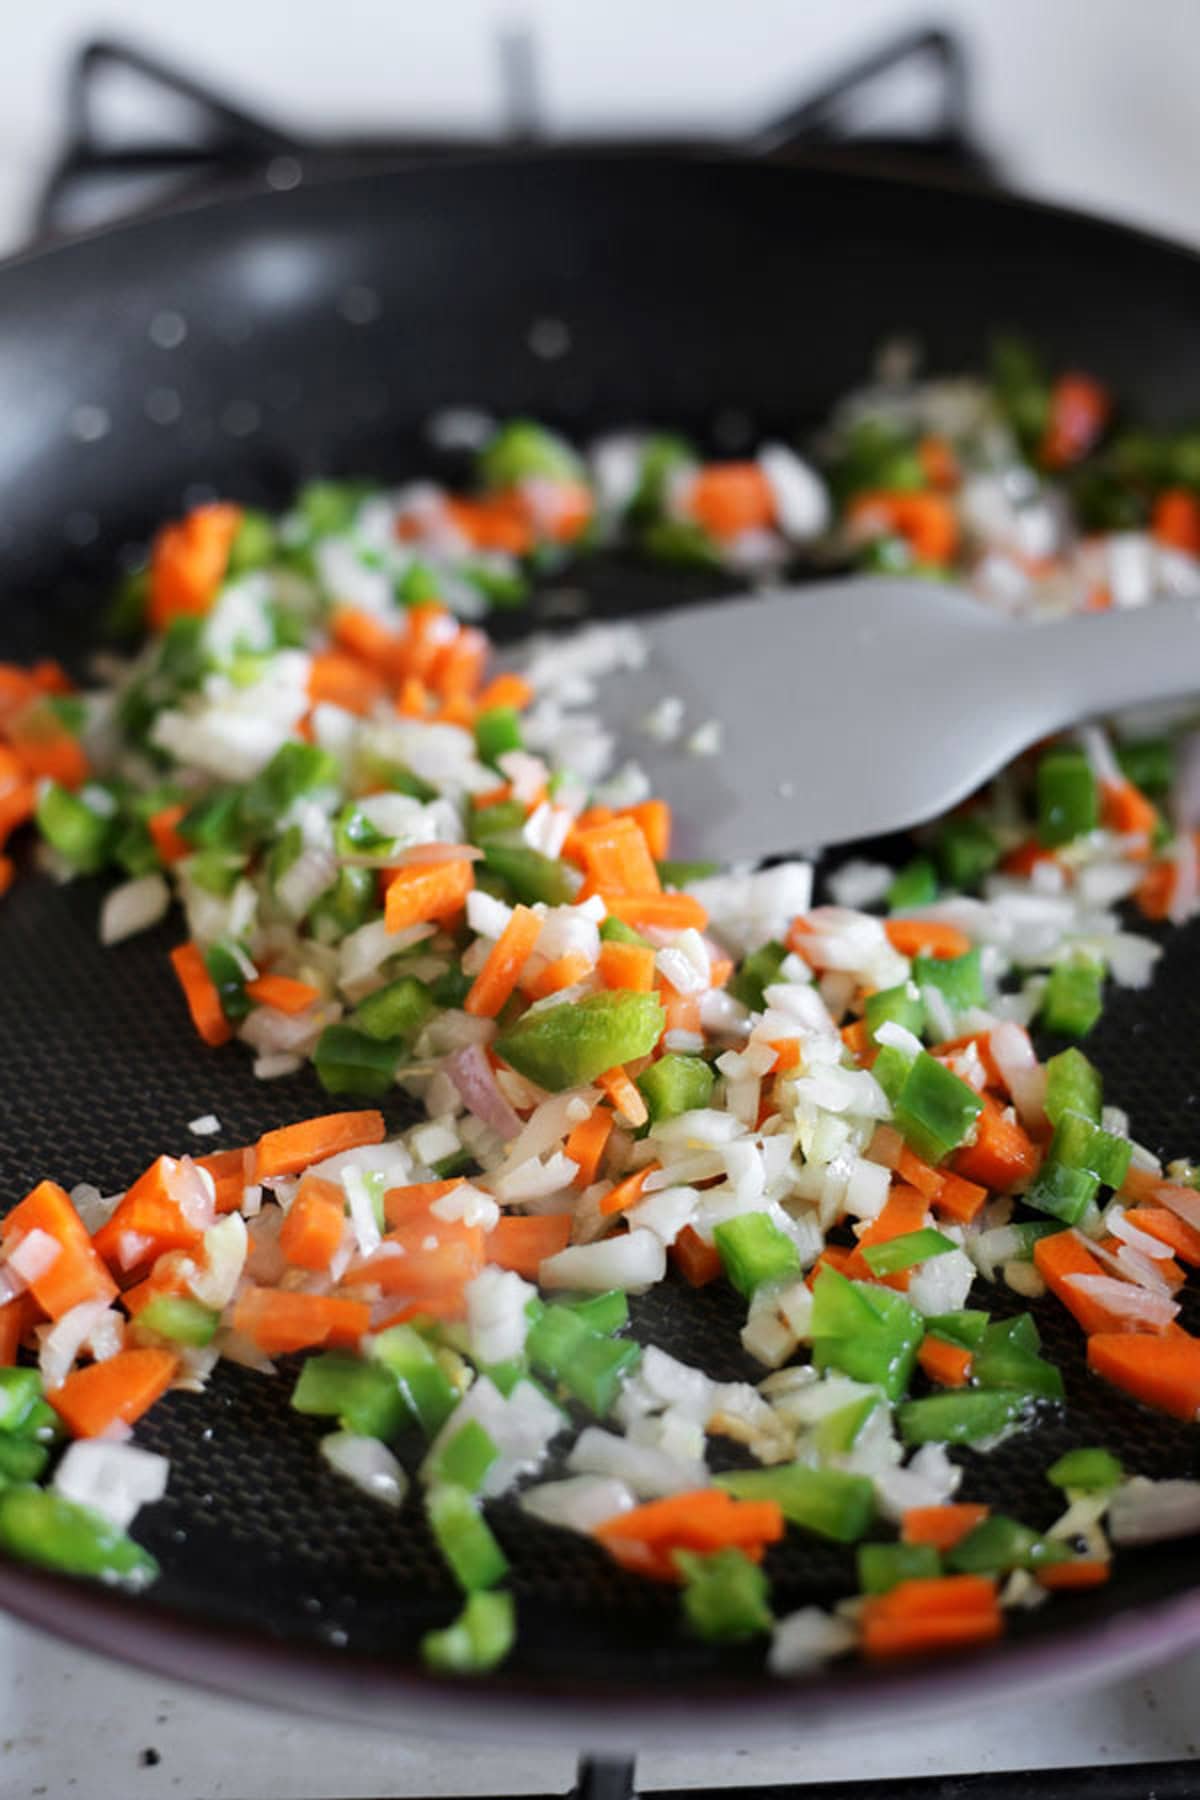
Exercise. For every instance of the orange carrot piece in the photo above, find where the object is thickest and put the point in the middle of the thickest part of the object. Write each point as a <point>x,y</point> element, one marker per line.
<point>927,521</point>
<point>942,1526</point>
<point>505,690</point>
<point>664,912</point>
<point>283,992</point>
<point>1141,1185</point>
<point>731,497</point>
<point>167,841</point>
<point>400,1204</point>
<point>920,1175</point>
<point>17,1319</point>
<point>456,670</point>
<point>1080,1572</point>
<point>1063,1254</point>
<point>412,698</point>
<point>18,804</point>
<point>77,1272</point>
<point>149,1211</point>
<point>926,937</point>
<point>698,1262</point>
<point>363,636</point>
<point>8,872</point>
<point>624,1095</point>
<point>228,1171</point>
<point>200,993</point>
<point>341,680</point>
<point>627,966</point>
<point>947,1364</point>
<point>833,1256</point>
<point>1163,1372</point>
<point>627,1193</point>
<point>312,1232</point>
<point>280,1321</point>
<point>937,1596</point>
<point>1176,520</point>
<point>706,1520</point>
<point>654,817</point>
<point>1156,890</point>
<point>1079,410</point>
<point>1125,808</point>
<point>188,562</point>
<point>45,746</point>
<point>1003,1152</point>
<point>440,1257</point>
<point>586,1144</point>
<point>498,977</point>
<point>494,523</point>
<point>1025,858</point>
<point>959,1200</point>
<point>939,465</point>
<point>883,1636</point>
<point>117,1391</point>
<point>904,1212</point>
<point>293,1148</point>
<point>428,893</point>
<point>1168,1228</point>
<point>523,1242</point>
<point>616,858</point>
<point>788,1055</point>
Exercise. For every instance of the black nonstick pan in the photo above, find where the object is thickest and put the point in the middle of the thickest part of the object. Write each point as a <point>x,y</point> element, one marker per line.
<point>239,346</point>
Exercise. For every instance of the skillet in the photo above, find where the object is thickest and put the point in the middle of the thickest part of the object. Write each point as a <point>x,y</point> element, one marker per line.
<point>238,346</point>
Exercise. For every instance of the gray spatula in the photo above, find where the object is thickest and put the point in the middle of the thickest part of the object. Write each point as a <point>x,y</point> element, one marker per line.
<point>859,706</point>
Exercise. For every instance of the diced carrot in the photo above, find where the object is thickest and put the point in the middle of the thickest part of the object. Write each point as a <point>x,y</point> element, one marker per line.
<point>905,1211</point>
<point>363,636</point>
<point>1025,858</point>
<point>981,1043</point>
<point>586,1144</point>
<point>117,1391</point>
<point>200,993</point>
<point>166,839</point>
<point>883,1636</point>
<point>49,677</point>
<point>665,912</point>
<point>698,1262</point>
<point>616,859</point>
<point>170,1275</point>
<point>340,680</point>
<point>17,689</point>
<point>731,497</point>
<point>1099,598</point>
<point>401,1204</point>
<point>1156,890</point>
<point>505,690</point>
<point>312,1232</point>
<point>936,1596</point>
<point>228,1171</point>
<point>412,698</point>
<point>918,1174</point>
<point>1079,411</point>
<point>947,1364</point>
<point>1168,1228</point>
<point>17,1319</point>
<point>1176,520</point>
<point>457,668</point>
<point>942,1526</point>
<point>926,521</point>
<point>77,1273</point>
<point>495,523</point>
<point>522,1243</point>
<point>720,969</point>
<point>45,746</point>
<point>855,1038</point>
<point>788,1055</point>
<point>627,966</point>
<point>283,992</point>
<point>1163,1372</point>
<point>624,1095</point>
<point>1003,1152</point>
<point>706,1520</point>
<point>492,797</point>
<point>627,1193</point>
<point>1125,808</point>
<point>1063,1254</point>
<point>926,937</point>
<point>939,465</point>
<point>188,562</point>
<point>281,1321</point>
<point>833,1256</point>
<point>959,1200</point>
<point>428,893</point>
<point>293,1148</point>
<point>499,975</point>
<point>1080,1572</point>
<point>149,1211</point>
<point>8,871</point>
<point>428,626</point>
<point>681,1012</point>
<point>440,1257</point>
<point>1141,1185</point>
<point>654,817</point>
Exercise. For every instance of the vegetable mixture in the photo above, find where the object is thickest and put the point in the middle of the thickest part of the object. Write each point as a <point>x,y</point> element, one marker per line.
<point>428,881</point>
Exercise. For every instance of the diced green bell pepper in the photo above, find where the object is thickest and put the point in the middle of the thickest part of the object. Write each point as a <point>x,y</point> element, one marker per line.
<point>423,1382</point>
<point>835,1433</point>
<point>417,586</point>
<point>295,769</point>
<point>396,1011</point>
<point>958,1418</point>
<point>254,543</point>
<point>497,730</point>
<point>464,1538</point>
<point>21,1458</point>
<point>501,821</point>
<point>676,873</point>
<point>753,1249</point>
<point>604,1313</point>
<point>1007,1357</point>
<point>532,877</point>
<point>364,1397</point>
<point>935,1110</point>
<point>20,1390</point>
<point>478,1640</point>
<point>40,1526</point>
<point>1149,763</point>
<point>349,1062</point>
<point>345,906</point>
<point>215,822</point>
<point>82,837</point>
<point>724,1595</point>
<point>329,508</point>
<point>1063,1193</point>
<point>882,1567</point>
<point>967,850</point>
<point>965,1328</point>
<point>891,1070</point>
<point>758,971</point>
<point>466,1457</point>
<point>355,836</point>
<point>225,971</point>
<point>1087,1471</point>
<point>616,931</point>
<point>958,978</point>
<point>1073,1084</point>
<point>1068,799</point>
<point>522,450</point>
<point>1079,1144</point>
<point>900,1005</point>
<point>824,1501</point>
<point>566,1046</point>
<point>868,1332</point>
<point>999,1544</point>
<point>906,1251</point>
<point>180,1318</point>
<point>916,884</point>
<point>675,1084</point>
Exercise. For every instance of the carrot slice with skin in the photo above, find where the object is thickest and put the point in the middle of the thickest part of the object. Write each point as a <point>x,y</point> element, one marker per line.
<point>926,937</point>
<point>149,1211</point>
<point>200,993</point>
<point>654,818</point>
<point>1003,1152</point>
<point>312,1232</point>
<point>280,1321</point>
<point>117,1391</point>
<point>505,690</point>
<point>336,679</point>
<point>400,1204</point>
<point>883,1636</point>
<point>616,858</point>
<point>1168,1228</point>
<point>942,1526</point>
<point>947,1364</point>
<point>624,1095</point>
<point>663,912</point>
<point>586,1144</point>
<point>698,1262</point>
<point>562,973</point>
<point>1163,1372</point>
<point>1061,1255</point>
<point>428,893</point>
<point>959,1200</point>
<point>293,1148</point>
<point>523,1242</point>
<point>283,992</point>
<point>498,977</point>
<point>228,1171</point>
<point>629,966</point>
<point>188,562</point>
<point>77,1272</point>
<point>1080,1572</point>
<point>166,839</point>
<point>728,498</point>
<point>626,1193</point>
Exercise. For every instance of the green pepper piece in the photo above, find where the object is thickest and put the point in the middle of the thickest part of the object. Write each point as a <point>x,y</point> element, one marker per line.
<point>500,823</point>
<point>216,871</point>
<point>753,1249</point>
<point>1080,1144</point>
<point>345,906</point>
<point>680,542</point>
<point>899,1005</point>
<point>396,1011</point>
<point>253,545</point>
<point>40,1422</point>
<point>329,508</point>
<point>1068,798</point>
<point>662,454</point>
<point>868,1332</point>
<point>364,1396</point>
<point>836,1433</point>
<point>225,971</point>
<point>355,836</point>
<point>1086,1471</point>
<point>522,450</point>
<point>295,769</point>
<point>906,1251</point>
<point>180,1318</point>
<point>915,884</point>
<point>824,1501</point>
<point>675,1084</point>
<point>566,1046</point>
<point>674,873</point>
<point>1064,1193</point>
<point>967,850</point>
<point>958,1418</point>
<point>1149,763</point>
<point>82,837</point>
<point>215,822</point>
<point>999,1544</point>
<point>135,850</point>
<point>935,1110</point>
<point>418,586</point>
<point>497,730</point>
<point>478,1640</point>
<point>882,1567</point>
<point>616,931</point>
<point>423,1381</point>
<point>532,876</point>
<point>126,615</point>
<point>604,1313</point>
<point>40,1526</point>
<point>891,1070</point>
<point>1073,1084</point>
<point>20,1390</point>
<point>758,971</point>
<point>964,1328</point>
<point>958,978</point>
<point>1007,1358</point>
<point>724,1595</point>
<point>598,1371</point>
<point>349,1062</point>
<point>464,1538</point>
<point>466,1457</point>
<point>21,1459</point>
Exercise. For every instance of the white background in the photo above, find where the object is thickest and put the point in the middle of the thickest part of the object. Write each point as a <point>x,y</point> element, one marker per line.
<point>1089,101</point>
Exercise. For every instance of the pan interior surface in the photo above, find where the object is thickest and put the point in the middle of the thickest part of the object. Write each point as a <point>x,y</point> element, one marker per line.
<point>239,348</point>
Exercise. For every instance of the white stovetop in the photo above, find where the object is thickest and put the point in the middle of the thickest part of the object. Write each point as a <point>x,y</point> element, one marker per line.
<point>1090,103</point>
